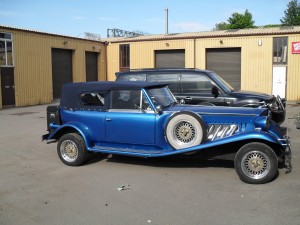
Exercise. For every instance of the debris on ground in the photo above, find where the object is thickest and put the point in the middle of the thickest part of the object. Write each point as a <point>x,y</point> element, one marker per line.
<point>123,187</point>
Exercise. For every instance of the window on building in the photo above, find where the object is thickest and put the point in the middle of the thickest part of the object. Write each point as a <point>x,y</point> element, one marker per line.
<point>6,49</point>
<point>280,50</point>
<point>124,57</point>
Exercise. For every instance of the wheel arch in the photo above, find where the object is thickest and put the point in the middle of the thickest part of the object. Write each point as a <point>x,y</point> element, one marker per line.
<point>276,147</point>
<point>251,103</point>
<point>72,128</point>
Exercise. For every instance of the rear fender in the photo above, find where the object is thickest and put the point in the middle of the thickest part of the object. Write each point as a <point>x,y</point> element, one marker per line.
<point>72,127</point>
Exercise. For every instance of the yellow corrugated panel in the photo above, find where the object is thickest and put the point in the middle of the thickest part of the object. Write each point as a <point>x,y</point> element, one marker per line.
<point>142,54</point>
<point>256,56</point>
<point>33,64</point>
<point>293,71</point>
<point>112,61</point>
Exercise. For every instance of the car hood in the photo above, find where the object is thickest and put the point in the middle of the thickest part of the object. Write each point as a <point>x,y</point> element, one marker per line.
<point>217,109</point>
<point>252,94</point>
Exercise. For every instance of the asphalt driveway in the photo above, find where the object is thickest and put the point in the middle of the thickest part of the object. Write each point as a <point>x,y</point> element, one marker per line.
<point>37,188</point>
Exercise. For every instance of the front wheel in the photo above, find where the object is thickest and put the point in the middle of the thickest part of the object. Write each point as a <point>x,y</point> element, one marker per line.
<point>71,149</point>
<point>256,163</point>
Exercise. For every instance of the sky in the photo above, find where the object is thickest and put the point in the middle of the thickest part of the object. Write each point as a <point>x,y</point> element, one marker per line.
<point>75,17</point>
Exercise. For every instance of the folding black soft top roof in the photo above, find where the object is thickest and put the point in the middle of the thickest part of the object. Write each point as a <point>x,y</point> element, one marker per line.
<point>71,91</point>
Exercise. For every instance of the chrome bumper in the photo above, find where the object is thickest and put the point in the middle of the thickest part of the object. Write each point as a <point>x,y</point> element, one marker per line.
<point>287,153</point>
<point>281,102</point>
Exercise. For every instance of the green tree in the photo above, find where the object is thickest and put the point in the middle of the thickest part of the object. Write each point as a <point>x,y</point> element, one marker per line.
<point>240,20</point>
<point>221,26</point>
<point>291,14</point>
<point>271,25</point>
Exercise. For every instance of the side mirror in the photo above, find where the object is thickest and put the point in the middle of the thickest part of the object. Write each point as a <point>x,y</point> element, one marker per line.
<point>181,102</point>
<point>159,109</point>
<point>215,91</point>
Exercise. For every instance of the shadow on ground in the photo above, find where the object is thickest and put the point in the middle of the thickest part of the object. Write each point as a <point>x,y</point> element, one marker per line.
<point>170,161</point>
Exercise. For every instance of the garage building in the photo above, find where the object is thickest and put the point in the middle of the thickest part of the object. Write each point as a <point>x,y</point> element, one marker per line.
<point>34,65</point>
<point>263,59</point>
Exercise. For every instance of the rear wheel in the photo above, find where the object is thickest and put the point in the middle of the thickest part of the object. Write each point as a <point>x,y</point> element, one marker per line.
<point>256,163</point>
<point>71,149</point>
<point>184,130</point>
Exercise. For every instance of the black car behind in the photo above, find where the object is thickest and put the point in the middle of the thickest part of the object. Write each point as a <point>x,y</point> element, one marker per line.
<point>195,86</point>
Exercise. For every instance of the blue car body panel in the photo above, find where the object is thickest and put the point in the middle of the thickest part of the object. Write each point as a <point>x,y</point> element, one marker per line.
<point>161,147</point>
<point>141,133</point>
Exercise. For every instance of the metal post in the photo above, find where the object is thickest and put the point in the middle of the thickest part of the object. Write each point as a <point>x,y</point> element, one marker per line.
<point>167,22</point>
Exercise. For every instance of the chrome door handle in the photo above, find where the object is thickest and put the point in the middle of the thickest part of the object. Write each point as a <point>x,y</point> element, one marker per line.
<point>108,119</point>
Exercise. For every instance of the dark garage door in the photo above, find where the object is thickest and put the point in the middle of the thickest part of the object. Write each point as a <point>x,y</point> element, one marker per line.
<point>91,66</point>
<point>7,86</point>
<point>170,58</point>
<point>227,63</point>
<point>61,69</point>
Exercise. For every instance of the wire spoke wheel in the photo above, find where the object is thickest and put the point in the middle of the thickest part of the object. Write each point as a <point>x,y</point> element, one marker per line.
<point>256,163</point>
<point>69,150</point>
<point>184,130</point>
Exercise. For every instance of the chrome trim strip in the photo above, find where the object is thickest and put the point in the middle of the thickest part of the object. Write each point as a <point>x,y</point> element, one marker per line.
<point>227,114</point>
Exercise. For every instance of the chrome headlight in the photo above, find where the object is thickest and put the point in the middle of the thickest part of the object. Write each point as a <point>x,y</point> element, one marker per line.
<point>262,123</point>
<point>273,106</point>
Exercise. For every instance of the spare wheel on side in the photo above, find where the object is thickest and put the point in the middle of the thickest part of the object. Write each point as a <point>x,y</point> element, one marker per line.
<point>185,129</point>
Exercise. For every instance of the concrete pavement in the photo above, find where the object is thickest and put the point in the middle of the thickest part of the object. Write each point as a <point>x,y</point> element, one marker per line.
<point>36,188</point>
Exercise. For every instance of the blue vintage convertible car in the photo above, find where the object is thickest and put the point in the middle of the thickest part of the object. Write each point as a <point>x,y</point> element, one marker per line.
<point>145,120</point>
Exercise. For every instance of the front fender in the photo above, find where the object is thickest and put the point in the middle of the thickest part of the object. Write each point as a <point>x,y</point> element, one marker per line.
<point>70,127</point>
<point>252,136</point>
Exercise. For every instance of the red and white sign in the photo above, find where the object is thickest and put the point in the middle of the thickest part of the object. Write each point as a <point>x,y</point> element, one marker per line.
<point>296,47</point>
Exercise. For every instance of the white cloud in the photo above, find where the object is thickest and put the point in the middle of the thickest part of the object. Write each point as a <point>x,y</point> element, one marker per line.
<point>108,19</point>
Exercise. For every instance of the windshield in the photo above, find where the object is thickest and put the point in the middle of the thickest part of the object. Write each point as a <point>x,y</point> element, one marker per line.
<point>161,96</point>
<point>222,83</point>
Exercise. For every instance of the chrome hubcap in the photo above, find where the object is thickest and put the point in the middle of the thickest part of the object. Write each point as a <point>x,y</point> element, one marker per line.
<point>256,164</point>
<point>69,150</point>
<point>184,132</point>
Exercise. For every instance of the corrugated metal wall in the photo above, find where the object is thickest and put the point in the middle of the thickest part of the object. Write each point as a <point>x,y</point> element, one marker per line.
<point>256,65</point>
<point>33,71</point>
<point>256,68</point>
<point>293,71</point>
<point>32,64</point>
<point>142,54</point>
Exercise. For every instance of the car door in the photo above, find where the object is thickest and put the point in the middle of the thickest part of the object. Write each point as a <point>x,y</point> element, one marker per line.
<point>196,88</point>
<point>92,113</point>
<point>129,125</point>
